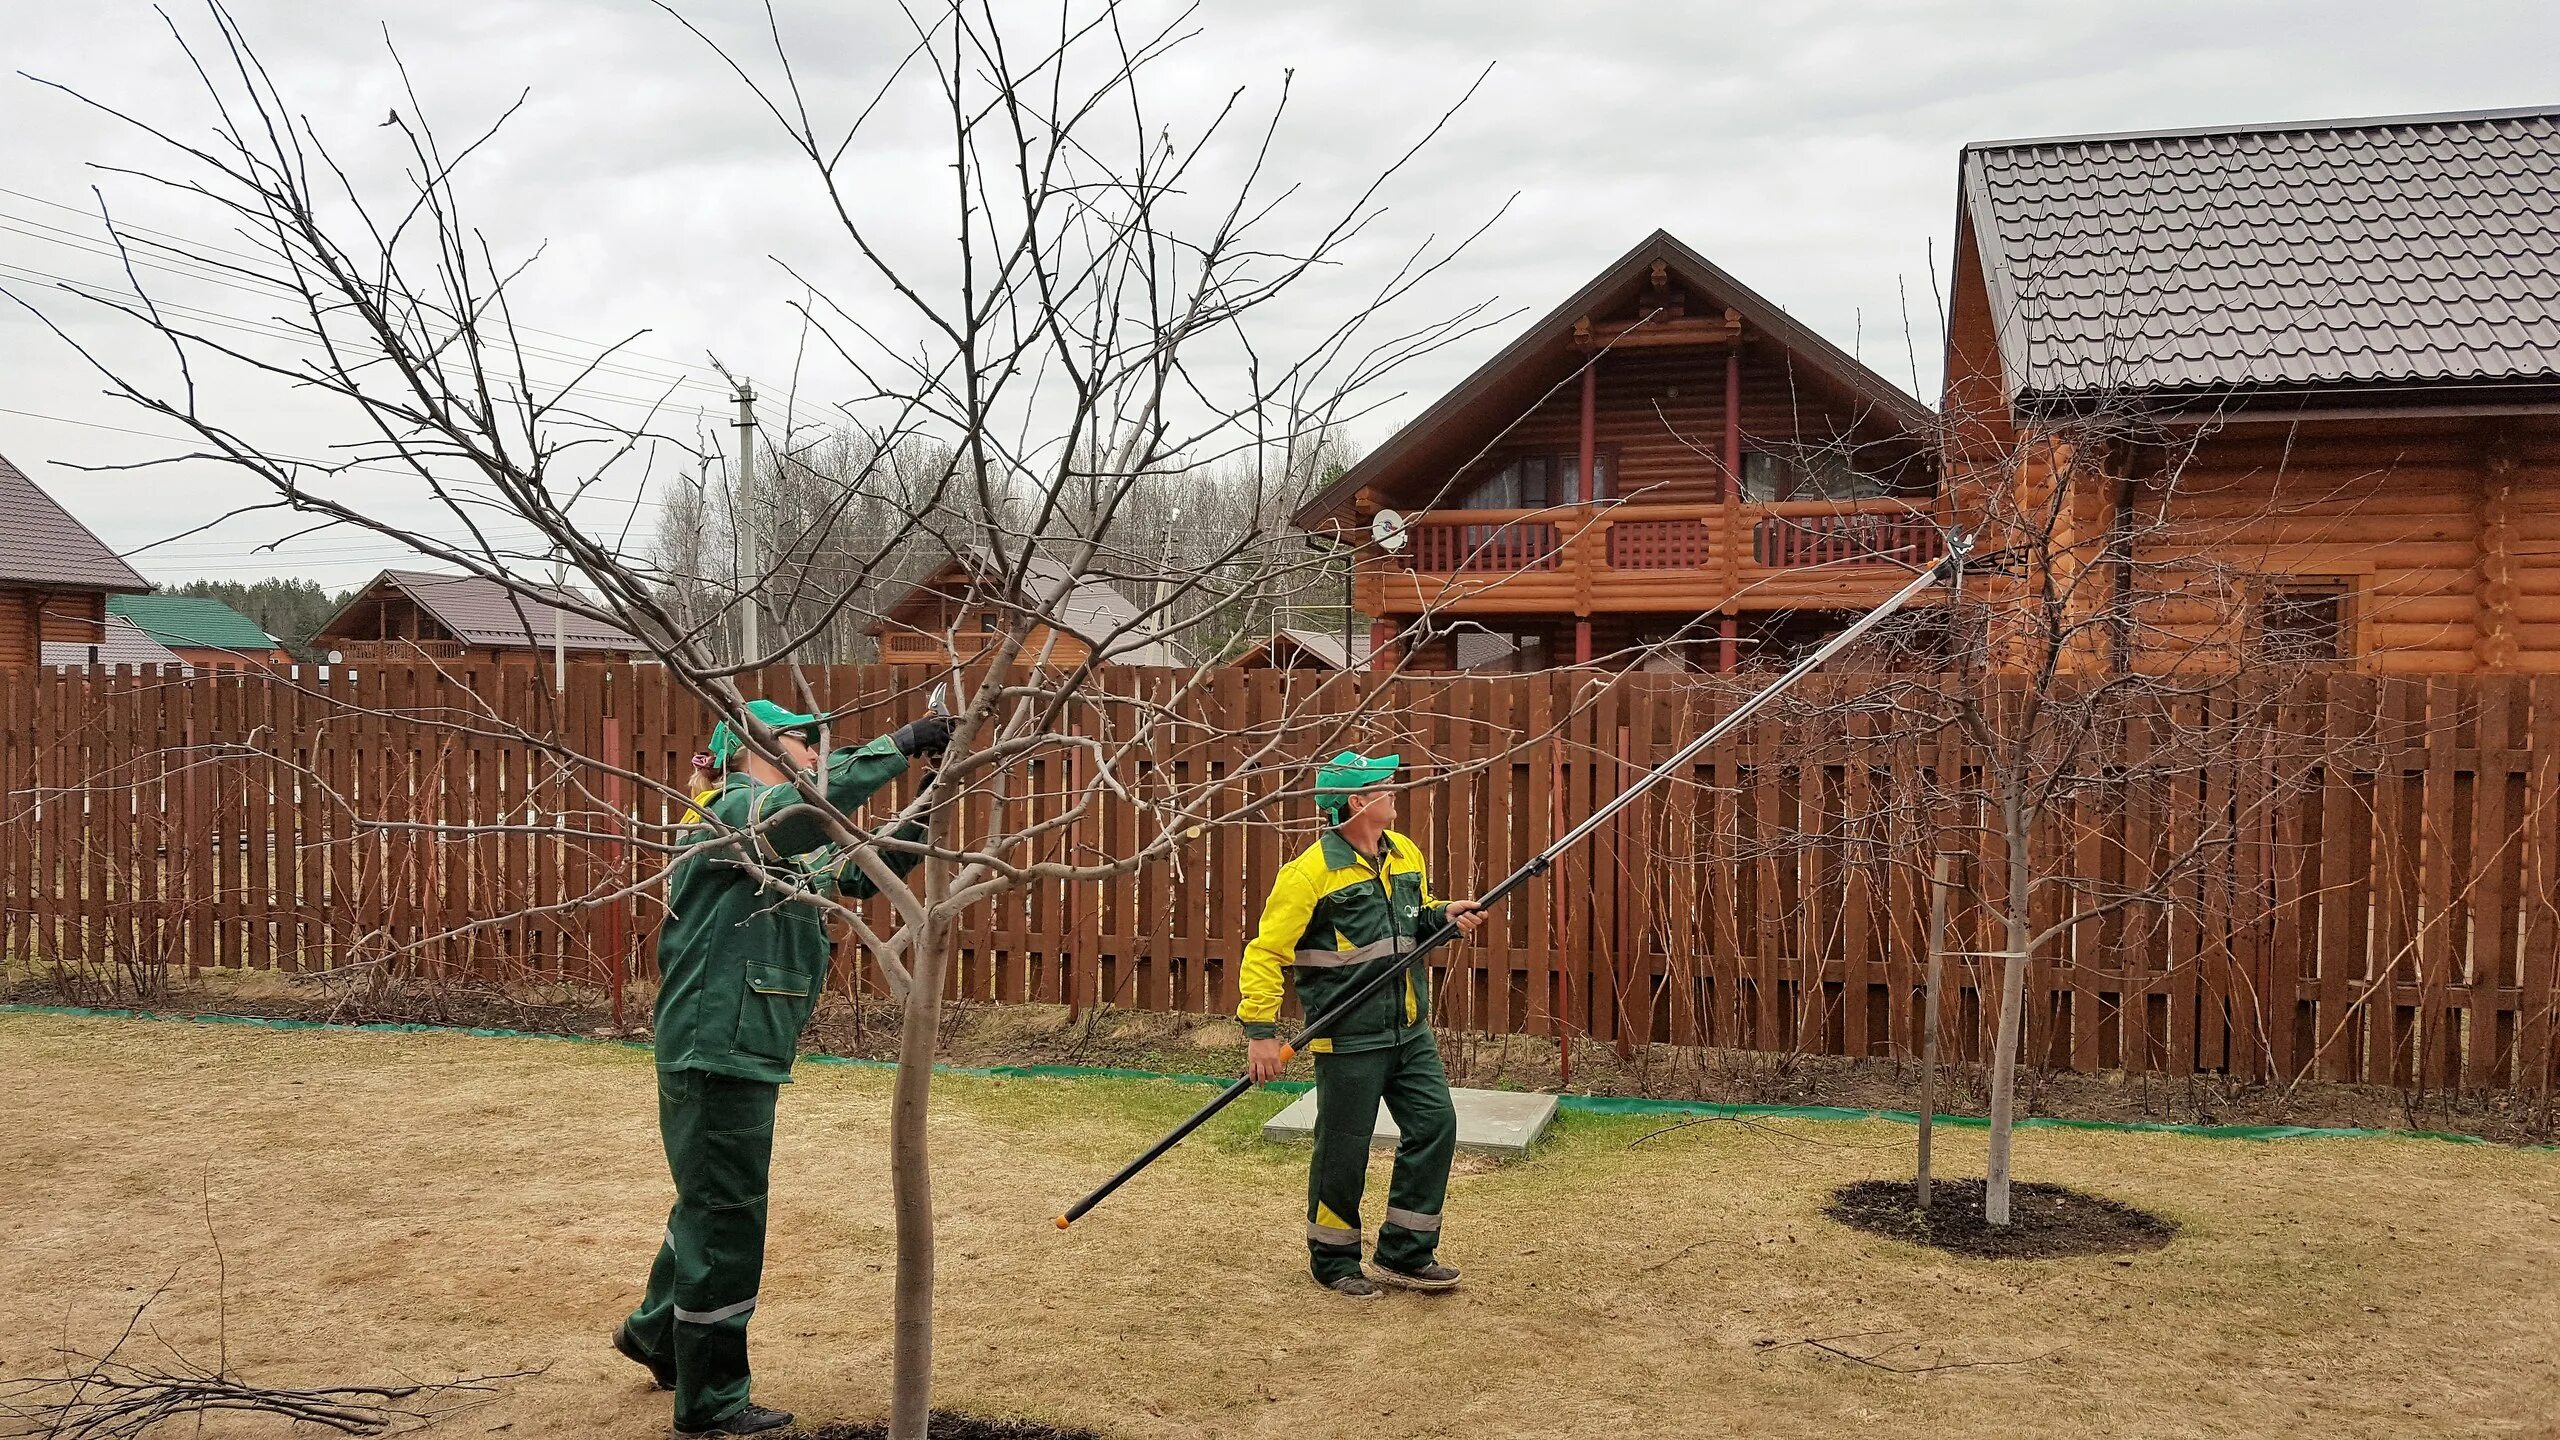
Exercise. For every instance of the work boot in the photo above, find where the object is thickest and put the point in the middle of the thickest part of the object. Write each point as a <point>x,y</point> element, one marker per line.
<point>1356,1287</point>
<point>1434,1276</point>
<point>662,1374</point>
<point>754,1420</point>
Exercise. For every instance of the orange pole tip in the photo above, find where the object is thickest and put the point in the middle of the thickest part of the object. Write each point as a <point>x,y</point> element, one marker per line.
<point>1062,1222</point>
<point>1288,1053</point>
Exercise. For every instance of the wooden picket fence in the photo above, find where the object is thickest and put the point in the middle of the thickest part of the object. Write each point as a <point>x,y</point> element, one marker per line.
<point>2382,905</point>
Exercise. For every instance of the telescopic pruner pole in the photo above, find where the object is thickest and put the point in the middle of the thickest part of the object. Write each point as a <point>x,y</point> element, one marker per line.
<point>1947,571</point>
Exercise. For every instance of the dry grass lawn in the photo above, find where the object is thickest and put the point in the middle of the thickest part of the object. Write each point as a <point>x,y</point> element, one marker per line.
<point>431,1205</point>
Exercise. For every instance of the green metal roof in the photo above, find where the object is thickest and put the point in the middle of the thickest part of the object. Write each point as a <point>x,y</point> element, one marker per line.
<point>183,621</point>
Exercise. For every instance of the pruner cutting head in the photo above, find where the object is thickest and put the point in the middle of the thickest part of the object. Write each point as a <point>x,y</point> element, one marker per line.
<point>939,702</point>
<point>1959,550</point>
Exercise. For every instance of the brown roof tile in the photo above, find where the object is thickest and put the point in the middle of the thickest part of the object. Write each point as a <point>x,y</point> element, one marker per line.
<point>40,544</point>
<point>2409,250</point>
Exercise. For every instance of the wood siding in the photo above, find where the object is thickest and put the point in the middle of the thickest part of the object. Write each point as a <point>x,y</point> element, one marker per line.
<point>1660,416</point>
<point>2443,533</point>
<point>30,619</point>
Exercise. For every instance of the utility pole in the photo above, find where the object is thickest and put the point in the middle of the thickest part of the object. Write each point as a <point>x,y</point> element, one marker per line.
<point>741,483</point>
<point>1164,559</point>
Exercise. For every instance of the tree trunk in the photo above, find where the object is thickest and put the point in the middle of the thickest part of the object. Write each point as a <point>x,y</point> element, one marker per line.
<point>2013,1005</point>
<point>911,1187</point>
<point>1941,882</point>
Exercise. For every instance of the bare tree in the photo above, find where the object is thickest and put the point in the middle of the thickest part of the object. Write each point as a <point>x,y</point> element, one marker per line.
<point>1097,335</point>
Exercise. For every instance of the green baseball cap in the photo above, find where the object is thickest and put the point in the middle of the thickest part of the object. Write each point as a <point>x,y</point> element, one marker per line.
<point>726,742</point>
<point>1350,772</point>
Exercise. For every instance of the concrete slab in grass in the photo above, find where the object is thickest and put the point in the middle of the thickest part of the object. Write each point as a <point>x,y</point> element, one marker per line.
<point>1501,1123</point>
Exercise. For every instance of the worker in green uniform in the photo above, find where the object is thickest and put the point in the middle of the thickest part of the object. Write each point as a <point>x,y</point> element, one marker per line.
<point>1348,907</point>
<point>741,962</point>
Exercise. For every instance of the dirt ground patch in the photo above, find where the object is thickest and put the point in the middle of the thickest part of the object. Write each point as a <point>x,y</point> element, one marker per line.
<point>2046,1222</point>
<point>436,1206</point>
<point>947,1426</point>
<point>986,1035</point>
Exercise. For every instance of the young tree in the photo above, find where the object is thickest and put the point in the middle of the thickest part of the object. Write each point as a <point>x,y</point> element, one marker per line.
<point>1095,331</point>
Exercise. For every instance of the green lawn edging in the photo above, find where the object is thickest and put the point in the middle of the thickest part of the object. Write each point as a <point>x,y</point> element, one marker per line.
<point>1572,1104</point>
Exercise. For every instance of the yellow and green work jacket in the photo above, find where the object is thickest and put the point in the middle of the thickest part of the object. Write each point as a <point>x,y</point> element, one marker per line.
<point>1335,919</point>
<point>742,959</point>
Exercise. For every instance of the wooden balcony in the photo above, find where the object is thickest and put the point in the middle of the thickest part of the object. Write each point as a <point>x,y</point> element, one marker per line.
<point>1828,554</point>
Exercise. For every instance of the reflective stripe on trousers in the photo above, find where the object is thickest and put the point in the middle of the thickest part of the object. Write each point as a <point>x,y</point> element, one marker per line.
<point>714,1317</point>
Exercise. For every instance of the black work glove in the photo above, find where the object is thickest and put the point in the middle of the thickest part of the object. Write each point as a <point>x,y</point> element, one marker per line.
<point>928,736</point>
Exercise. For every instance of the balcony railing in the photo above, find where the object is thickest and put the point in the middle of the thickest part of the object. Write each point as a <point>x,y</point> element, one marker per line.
<point>1686,543</point>
<point>1786,541</point>
<point>1656,538</point>
<point>1504,547</point>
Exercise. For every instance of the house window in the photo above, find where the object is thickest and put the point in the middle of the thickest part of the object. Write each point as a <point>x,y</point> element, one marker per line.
<point>1770,476</point>
<point>2303,621</point>
<point>1533,482</point>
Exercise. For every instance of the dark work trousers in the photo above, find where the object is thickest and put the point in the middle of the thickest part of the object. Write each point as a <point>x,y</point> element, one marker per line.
<point>1409,1078</point>
<point>702,1290</point>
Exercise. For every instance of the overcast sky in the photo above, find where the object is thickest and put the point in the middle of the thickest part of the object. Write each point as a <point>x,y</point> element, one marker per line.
<point>1808,148</point>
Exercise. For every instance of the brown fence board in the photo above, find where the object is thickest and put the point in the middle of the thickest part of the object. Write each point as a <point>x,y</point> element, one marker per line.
<point>2385,909</point>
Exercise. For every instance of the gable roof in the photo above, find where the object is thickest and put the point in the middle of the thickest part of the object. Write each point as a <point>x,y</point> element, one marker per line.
<point>197,622</point>
<point>480,611</point>
<point>1089,608</point>
<point>1522,372</point>
<point>1323,646</point>
<point>2404,250</point>
<point>119,642</point>
<point>40,544</point>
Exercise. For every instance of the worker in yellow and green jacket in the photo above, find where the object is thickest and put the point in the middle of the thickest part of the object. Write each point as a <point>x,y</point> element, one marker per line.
<point>742,960</point>
<point>1348,907</point>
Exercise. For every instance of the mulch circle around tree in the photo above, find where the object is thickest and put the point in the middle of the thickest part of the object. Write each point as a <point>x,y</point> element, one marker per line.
<point>948,1426</point>
<point>2045,1221</point>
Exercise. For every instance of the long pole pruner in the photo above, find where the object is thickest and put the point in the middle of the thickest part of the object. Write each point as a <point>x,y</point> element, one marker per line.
<point>1949,571</point>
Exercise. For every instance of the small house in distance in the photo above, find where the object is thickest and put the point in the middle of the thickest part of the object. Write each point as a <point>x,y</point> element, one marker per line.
<point>1297,648</point>
<point>55,578</point>
<point>119,645</point>
<point>200,631</point>
<point>2305,376</point>
<point>953,616</point>
<point>407,615</point>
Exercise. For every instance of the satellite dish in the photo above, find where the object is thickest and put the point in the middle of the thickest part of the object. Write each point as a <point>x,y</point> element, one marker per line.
<point>337,657</point>
<point>1388,529</point>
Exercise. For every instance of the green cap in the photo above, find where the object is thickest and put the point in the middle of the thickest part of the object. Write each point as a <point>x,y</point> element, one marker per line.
<point>1348,773</point>
<point>726,742</point>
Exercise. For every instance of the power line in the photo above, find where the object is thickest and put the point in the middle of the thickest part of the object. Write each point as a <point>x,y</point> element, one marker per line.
<point>209,275</point>
<point>192,245</point>
<point>606,502</point>
<point>221,320</point>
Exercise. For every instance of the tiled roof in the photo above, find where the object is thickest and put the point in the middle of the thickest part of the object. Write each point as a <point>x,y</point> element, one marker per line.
<point>480,611</point>
<point>120,642</point>
<point>1329,646</point>
<point>198,622</point>
<point>2408,250</point>
<point>40,544</point>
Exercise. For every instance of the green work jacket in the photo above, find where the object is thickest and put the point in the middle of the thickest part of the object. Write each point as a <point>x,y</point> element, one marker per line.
<point>740,961</point>
<point>1335,919</point>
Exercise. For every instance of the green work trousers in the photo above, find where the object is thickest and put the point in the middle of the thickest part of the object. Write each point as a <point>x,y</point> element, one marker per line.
<point>702,1290</point>
<point>1408,1076</point>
